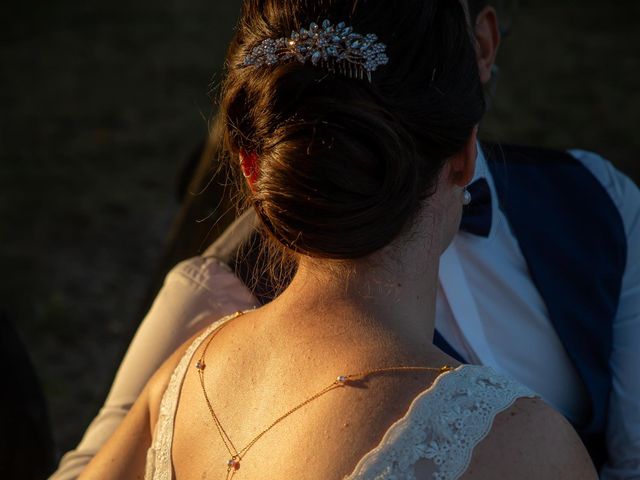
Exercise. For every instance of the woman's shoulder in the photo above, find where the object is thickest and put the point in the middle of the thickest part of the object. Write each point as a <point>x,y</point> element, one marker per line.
<point>171,373</point>
<point>475,423</point>
<point>531,440</point>
<point>512,432</point>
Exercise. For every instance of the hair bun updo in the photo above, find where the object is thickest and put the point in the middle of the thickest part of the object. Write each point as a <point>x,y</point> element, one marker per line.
<point>344,163</point>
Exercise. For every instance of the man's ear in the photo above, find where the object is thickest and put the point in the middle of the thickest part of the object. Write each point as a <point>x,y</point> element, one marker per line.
<point>463,164</point>
<point>487,33</point>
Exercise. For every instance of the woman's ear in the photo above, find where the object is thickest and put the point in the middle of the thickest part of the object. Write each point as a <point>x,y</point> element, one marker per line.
<point>249,163</point>
<point>487,34</point>
<point>463,164</point>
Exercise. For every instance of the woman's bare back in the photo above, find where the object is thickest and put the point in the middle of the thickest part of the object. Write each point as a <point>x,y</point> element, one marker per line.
<point>252,379</point>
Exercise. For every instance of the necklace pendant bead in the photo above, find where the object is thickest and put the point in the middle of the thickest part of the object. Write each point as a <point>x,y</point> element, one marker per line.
<point>341,379</point>
<point>200,365</point>
<point>233,464</point>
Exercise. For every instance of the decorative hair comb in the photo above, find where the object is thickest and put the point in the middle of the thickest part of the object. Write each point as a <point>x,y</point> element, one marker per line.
<point>335,47</point>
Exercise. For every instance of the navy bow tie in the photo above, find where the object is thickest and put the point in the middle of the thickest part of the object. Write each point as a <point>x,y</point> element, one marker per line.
<point>476,217</point>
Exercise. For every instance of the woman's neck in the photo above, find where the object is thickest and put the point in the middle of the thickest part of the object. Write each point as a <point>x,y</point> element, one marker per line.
<point>390,295</point>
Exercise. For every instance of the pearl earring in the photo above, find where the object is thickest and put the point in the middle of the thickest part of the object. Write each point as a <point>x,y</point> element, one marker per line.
<point>466,197</point>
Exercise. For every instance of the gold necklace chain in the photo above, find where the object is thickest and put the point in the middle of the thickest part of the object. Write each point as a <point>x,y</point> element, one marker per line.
<point>236,455</point>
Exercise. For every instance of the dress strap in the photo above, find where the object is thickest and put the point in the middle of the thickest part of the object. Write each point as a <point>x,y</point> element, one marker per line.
<point>159,466</point>
<point>436,437</point>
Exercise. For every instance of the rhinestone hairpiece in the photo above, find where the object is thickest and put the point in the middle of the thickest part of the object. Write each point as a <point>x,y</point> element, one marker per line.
<point>336,47</point>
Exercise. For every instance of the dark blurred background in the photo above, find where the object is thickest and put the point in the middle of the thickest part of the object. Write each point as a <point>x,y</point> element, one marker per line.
<point>103,103</point>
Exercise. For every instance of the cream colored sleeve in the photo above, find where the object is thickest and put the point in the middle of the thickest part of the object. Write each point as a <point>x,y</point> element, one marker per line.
<point>193,292</point>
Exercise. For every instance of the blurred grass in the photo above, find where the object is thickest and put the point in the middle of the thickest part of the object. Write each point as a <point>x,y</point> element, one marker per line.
<point>102,102</point>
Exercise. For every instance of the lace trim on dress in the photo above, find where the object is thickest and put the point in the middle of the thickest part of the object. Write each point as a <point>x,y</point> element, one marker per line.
<point>158,465</point>
<point>442,427</point>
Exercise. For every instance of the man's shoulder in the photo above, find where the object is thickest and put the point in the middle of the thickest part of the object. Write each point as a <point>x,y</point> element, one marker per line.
<point>622,191</point>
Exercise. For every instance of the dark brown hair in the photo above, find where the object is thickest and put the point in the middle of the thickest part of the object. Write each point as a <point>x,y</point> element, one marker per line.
<point>346,163</point>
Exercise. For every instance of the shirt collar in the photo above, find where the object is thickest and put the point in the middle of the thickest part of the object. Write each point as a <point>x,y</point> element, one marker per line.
<point>482,171</point>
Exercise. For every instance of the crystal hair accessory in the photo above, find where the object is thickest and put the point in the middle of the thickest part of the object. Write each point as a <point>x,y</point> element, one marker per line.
<point>335,47</point>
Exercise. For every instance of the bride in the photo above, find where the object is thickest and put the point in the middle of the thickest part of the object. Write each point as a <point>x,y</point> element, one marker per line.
<point>355,137</point>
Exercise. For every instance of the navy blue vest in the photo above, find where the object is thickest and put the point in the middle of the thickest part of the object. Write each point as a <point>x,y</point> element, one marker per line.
<point>573,240</point>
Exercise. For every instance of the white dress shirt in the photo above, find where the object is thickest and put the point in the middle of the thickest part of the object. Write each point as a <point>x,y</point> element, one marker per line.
<point>490,311</point>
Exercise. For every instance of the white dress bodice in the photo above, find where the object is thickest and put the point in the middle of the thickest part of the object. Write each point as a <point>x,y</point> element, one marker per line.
<point>433,440</point>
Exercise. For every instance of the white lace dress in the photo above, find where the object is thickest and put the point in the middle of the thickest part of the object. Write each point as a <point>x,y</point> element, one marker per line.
<point>434,440</point>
